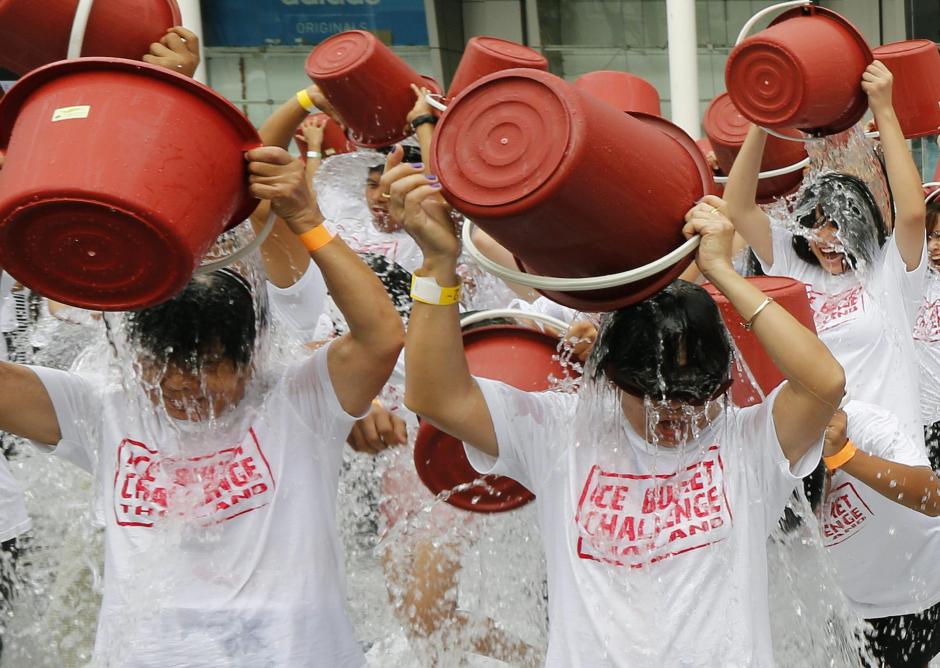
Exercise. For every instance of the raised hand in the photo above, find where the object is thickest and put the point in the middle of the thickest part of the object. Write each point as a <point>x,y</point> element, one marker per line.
<point>279,178</point>
<point>877,82</point>
<point>717,234</point>
<point>177,50</point>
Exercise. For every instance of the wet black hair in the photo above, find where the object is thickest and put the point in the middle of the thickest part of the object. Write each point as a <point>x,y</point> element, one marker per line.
<point>215,313</point>
<point>639,346</point>
<point>412,154</point>
<point>856,235</point>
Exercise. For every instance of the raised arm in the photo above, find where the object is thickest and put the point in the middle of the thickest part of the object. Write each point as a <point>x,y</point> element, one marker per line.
<point>280,126</point>
<point>25,407</point>
<point>177,50</point>
<point>438,384</point>
<point>815,380</point>
<point>360,361</point>
<point>741,196</point>
<point>903,176</point>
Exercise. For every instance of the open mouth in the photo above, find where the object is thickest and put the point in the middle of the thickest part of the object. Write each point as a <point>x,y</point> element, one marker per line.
<point>831,254</point>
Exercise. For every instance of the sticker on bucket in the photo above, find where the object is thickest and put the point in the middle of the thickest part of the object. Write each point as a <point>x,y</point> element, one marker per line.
<point>66,113</point>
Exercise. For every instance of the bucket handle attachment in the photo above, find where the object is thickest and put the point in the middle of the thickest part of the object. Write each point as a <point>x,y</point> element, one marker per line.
<point>79,25</point>
<point>435,101</point>
<point>480,316</point>
<point>780,171</point>
<point>556,284</point>
<point>237,255</point>
<point>933,195</point>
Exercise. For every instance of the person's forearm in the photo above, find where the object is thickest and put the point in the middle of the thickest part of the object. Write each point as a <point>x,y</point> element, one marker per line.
<point>436,371</point>
<point>741,189</point>
<point>915,487</point>
<point>798,353</point>
<point>279,129</point>
<point>284,256</point>
<point>310,170</point>
<point>424,134</point>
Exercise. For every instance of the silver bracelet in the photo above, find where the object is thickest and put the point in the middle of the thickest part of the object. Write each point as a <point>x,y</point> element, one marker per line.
<point>315,154</point>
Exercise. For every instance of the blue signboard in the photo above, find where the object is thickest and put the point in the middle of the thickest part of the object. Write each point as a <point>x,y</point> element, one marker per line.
<point>266,22</point>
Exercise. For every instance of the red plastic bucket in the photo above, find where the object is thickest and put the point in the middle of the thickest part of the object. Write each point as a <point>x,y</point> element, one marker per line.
<point>804,71</point>
<point>486,55</point>
<point>118,177</point>
<point>519,356</point>
<point>915,65</point>
<point>791,295</point>
<point>551,173</point>
<point>34,33</point>
<point>621,90</point>
<point>367,84</point>
<point>727,129</point>
<point>334,140</point>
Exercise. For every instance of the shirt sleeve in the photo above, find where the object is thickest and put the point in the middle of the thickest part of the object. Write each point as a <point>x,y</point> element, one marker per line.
<point>301,304</point>
<point>531,429</point>
<point>878,432</point>
<point>78,410</point>
<point>784,255</point>
<point>775,477</point>
<point>313,398</point>
<point>899,282</point>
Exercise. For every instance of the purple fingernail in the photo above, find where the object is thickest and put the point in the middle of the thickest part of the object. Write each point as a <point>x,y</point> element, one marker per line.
<point>435,185</point>
<point>417,165</point>
<point>431,177</point>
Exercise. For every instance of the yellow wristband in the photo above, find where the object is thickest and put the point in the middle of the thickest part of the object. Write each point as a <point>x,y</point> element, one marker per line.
<point>303,98</point>
<point>425,289</point>
<point>315,239</point>
<point>842,457</point>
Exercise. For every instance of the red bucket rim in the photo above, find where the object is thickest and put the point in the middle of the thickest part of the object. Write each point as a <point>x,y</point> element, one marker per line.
<point>12,102</point>
<point>854,114</point>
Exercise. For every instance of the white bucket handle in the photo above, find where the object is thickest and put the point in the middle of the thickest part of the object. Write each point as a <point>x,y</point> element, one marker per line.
<point>480,316</point>
<point>556,284</point>
<point>237,255</point>
<point>79,25</point>
<point>434,100</point>
<point>780,171</point>
<point>934,194</point>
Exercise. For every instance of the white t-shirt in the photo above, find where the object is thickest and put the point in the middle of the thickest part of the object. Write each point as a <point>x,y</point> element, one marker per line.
<point>14,519</point>
<point>885,554</point>
<point>696,596</point>
<point>866,322</point>
<point>927,346</point>
<point>251,574</point>
<point>301,304</point>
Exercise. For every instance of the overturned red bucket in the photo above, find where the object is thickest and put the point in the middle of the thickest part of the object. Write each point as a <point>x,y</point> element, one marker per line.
<point>915,65</point>
<point>622,90</point>
<point>519,356</point>
<point>161,175</point>
<point>551,173</point>
<point>35,33</point>
<point>486,55</point>
<point>727,129</point>
<point>764,377</point>
<point>804,71</point>
<point>367,84</point>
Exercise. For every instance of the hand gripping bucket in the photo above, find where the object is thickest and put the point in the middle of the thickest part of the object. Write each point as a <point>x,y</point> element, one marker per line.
<point>623,91</point>
<point>334,140</point>
<point>367,84</point>
<point>519,356</point>
<point>915,65</point>
<point>804,71</point>
<point>791,295</point>
<point>34,33</point>
<point>486,55</point>
<point>118,178</point>
<point>571,186</point>
<point>727,129</point>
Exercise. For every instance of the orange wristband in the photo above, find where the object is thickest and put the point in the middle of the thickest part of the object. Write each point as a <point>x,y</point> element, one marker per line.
<point>316,238</point>
<point>839,459</point>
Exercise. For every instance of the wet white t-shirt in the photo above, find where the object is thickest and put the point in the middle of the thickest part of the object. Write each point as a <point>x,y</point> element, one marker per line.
<point>866,322</point>
<point>927,346</point>
<point>14,519</point>
<point>885,554</point>
<point>301,304</point>
<point>222,551</point>
<point>655,557</point>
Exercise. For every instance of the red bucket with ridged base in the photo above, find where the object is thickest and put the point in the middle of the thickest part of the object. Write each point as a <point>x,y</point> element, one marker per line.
<point>519,356</point>
<point>486,55</point>
<point>34,33</point>
<point>804,71</point>
<point>627,92</point>
<point>727,129</point>
<point>118,178</point>
<point>570,185</point>
<point>915,95</point>
<point>791,295</point>
<point>367,84</point>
